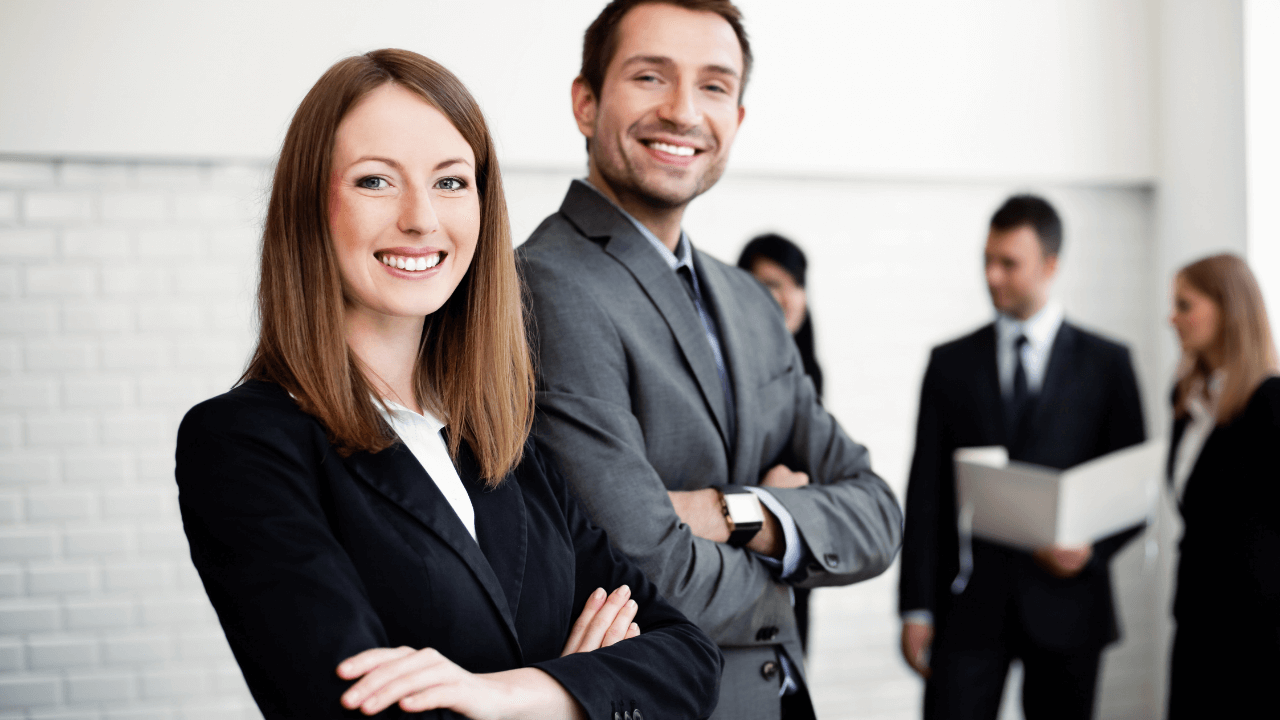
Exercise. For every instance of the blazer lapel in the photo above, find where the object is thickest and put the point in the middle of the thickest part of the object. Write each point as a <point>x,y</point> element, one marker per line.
<point>730,319</point>
<point>987,387</point>
<point>501,527</point>
<point>1057,377</point>
<point>398,476</point>
<point>598,219</point>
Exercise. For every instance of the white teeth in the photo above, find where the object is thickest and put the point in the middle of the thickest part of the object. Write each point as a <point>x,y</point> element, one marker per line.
<point>412,264</point>
<point>681,150</point>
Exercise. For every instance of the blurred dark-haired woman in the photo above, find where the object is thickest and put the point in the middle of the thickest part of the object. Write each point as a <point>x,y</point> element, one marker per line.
<point>780,265</point>
<point>1224,471</point>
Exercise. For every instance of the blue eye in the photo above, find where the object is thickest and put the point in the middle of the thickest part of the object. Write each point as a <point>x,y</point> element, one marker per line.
<point>373,182</point>
<point>451,183</point>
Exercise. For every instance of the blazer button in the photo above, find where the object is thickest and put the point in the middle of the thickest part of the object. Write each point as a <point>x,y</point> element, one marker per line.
<point>831,559</point>
<point>769,670</point>
<point>766,633</point>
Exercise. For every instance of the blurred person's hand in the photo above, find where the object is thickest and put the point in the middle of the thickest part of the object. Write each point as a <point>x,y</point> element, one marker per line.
<point>1064,561</point>
<point>917,638</point>
<point>781,476</point>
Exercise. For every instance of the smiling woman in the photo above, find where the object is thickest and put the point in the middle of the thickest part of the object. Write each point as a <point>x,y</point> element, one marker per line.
<point>368,515</point>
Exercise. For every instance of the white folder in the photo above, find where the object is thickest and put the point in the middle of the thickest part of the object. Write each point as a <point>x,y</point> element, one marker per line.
<point>1030,506</point>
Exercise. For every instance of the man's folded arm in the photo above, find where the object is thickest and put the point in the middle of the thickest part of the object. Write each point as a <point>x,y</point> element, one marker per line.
<point>727,591</point>
<point>848,519</point>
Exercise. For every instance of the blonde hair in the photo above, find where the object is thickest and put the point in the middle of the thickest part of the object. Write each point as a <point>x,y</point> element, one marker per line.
<point>1244,334</point>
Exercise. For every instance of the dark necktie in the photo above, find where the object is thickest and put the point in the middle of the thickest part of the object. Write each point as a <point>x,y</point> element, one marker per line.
<point>1018,398</point>
<point>709,327</point>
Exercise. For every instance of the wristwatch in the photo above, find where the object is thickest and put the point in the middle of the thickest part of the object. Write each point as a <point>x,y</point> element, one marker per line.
<point>743,512</point>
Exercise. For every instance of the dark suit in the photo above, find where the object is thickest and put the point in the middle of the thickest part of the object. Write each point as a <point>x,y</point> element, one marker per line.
<point>631,406</point>
<point>1088,406</point>
<point>310,558</point>
<point>1226,652</point>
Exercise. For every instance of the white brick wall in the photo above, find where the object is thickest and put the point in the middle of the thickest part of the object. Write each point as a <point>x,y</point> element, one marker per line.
<point>111,277</point>
<point>126,297</point>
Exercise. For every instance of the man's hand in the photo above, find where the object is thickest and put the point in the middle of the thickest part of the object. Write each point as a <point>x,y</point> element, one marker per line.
<point>1064,561</point>
<point>781,476</point>
<point>701,511</point>
<point>917,638</point>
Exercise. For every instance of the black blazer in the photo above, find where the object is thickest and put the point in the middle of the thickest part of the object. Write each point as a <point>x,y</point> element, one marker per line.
<point>310,558</point>
<point>1229,556</point>
<point>1088,406</point>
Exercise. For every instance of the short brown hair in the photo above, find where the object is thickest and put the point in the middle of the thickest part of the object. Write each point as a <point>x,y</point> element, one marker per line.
<point>601,40</point>
<point>1244,334</point>
<point>473,369</point>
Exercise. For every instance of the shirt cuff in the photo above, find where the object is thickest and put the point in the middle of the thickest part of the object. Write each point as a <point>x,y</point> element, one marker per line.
<point>918,617</point>
<point>794,550</point>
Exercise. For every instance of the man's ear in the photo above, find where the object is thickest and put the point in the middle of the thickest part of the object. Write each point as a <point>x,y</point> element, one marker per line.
<point>742,113</point>
<point>1051,266</point>
<point>584,107</point>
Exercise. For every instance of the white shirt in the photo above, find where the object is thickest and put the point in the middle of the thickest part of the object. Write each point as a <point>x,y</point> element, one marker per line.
<point>421,434</point>
<point>1040,330</point>
<point>1202,405</point>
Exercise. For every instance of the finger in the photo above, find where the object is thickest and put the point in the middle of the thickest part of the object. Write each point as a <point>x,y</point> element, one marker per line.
<point>618,628</point>
<point>361,663</point>
<point>402,686</point>
<point>604,618</point>
<point>802,479</point>
<point>632,631</point>
<point>375,680</point>
<point>589,610</point>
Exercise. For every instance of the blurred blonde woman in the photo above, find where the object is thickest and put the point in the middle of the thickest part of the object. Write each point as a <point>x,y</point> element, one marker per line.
<point>1224,471</point>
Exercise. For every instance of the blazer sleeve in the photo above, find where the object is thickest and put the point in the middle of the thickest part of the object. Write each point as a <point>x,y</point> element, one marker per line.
<point>288,596</point>
<point>847,516</point>
<point>919,568</point>
<point>672,670</point>
<point>1125,426</point>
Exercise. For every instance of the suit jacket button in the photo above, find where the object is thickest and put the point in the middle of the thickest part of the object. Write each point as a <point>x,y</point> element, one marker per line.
<point>831,559</point>
<point>769,670</point>
<point>766,633</point>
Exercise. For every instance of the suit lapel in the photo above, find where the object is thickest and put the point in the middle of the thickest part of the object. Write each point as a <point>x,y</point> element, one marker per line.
<point>987,387</point>
<point>730,319</point>
<point>598,219</point>
<point>397,475</point>
<point>501,527</point>
<point>1057,377</point>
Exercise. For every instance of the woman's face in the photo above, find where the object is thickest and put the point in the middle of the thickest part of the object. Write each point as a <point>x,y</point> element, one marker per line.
<point>404,210</point>
<point>785,290</point>
<point>1196,317</point>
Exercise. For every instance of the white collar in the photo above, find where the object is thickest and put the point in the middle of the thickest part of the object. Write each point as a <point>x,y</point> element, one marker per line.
<point>395,410</point>
<point>1040,328</point>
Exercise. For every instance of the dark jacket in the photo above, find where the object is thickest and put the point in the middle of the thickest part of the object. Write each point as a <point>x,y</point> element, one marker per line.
<point>1088,406</point>
<point>1229,556</point>
<point>310,558</point>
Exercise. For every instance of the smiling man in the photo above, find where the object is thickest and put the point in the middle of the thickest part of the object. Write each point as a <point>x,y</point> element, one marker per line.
<point>670,391</point>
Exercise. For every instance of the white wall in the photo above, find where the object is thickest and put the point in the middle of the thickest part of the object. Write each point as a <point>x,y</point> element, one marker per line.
<point>1262,146</point>
<point>1056,90</point>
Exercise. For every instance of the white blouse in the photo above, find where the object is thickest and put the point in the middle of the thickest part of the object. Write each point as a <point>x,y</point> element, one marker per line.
<point>421,434</point>
<point>1202,406</point>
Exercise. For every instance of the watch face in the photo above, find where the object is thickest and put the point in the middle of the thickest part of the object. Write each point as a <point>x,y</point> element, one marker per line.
<point>744,508</point>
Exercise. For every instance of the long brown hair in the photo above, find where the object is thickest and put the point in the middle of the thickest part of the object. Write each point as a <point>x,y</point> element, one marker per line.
<point>1244,334</point>
<point>473,369</point>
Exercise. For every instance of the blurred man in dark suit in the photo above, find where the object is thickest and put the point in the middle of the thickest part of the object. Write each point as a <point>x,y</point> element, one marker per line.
<point>1054,395</point>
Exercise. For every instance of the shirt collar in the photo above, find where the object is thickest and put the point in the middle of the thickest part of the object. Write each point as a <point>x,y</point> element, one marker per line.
<point>682,257</point>
<point>1040,328</point>
<point>393,410</point>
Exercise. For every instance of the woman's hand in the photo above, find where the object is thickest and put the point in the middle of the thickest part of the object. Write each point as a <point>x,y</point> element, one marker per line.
<point>603,622</point>
<point>421,680</point>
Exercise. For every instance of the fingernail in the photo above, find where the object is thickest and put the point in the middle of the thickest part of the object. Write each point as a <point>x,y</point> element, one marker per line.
<point>626,591</point>
<point>598,595</point>
<point>635,627</point>
<point>631,604</point>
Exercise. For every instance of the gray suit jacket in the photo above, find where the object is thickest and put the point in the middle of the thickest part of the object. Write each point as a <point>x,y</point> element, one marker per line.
<point>630,406</point>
